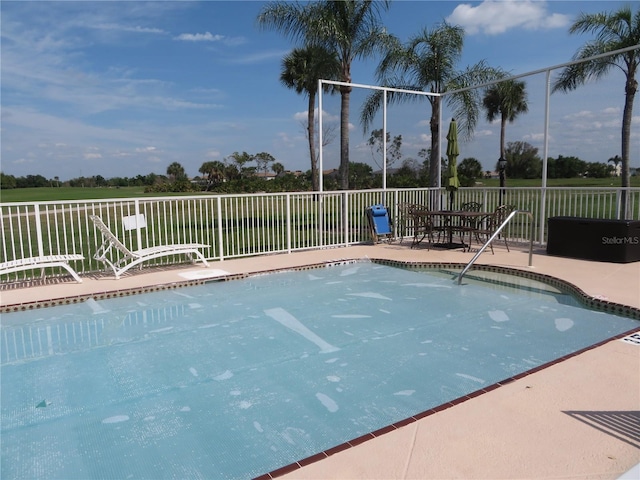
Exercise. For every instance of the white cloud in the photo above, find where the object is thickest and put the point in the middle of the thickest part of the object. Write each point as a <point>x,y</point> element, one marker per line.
<point>326,116</point>
<point>127,28</point>
<point>495,17</point>
<point>534,137</point>
<point>611,111</point>
<point>579,115</point>
<point>92,156</point>
<point>145,149</point>
<point>199,37</point>
<point>209,37</point>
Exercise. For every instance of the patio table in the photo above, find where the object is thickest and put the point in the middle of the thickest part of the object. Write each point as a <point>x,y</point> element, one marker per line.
<point>450,221</point>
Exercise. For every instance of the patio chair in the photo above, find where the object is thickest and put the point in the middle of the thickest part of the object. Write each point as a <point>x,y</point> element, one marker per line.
<point>404,223</point>
<point>45,261</point>
<point>489,224</point>
<point>131,258</point>
<point>423,226</point>
<point>468,225</point>
<point>380,224</point>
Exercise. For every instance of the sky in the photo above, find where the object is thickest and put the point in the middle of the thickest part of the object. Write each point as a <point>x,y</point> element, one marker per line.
<point>125,88</point>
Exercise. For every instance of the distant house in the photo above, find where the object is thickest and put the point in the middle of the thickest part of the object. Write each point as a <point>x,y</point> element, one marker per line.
<point>295,173</point>
<point>331,173</point>
<point>265,175</point>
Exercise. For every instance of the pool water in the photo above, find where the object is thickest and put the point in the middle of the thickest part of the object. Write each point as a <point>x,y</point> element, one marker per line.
<point>236,379</point>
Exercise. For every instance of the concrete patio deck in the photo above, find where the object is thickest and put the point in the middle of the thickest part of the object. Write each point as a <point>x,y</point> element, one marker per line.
<point>579,418</point>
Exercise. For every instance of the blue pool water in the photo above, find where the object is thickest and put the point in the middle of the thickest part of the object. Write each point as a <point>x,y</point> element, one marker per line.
<point>236,379</point>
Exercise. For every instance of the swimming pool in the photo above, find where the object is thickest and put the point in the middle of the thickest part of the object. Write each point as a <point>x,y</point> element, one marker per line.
<point>235,379</point>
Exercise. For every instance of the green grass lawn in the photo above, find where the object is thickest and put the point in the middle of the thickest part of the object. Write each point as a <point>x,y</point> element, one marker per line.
<point>557,182</point>
<point>44,194</point>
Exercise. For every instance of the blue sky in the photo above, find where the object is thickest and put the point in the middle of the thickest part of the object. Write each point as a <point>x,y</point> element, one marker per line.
<point>126,88</point>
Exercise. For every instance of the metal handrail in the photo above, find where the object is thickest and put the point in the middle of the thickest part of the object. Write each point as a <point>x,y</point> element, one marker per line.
<point>495,234</point>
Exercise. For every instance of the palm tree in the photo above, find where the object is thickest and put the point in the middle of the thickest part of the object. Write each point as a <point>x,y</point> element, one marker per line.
<point>301,70</point>
<point>614,31</point>
<point>350,28</point>
<point>176,172</point>
<point>277,168</point>
<point>428,63</point>
<point>616,161</point>
<point>507,100</point>
<point>214,171</point>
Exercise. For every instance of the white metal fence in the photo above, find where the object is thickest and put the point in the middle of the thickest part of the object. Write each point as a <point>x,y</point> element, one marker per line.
<point>256,224</point>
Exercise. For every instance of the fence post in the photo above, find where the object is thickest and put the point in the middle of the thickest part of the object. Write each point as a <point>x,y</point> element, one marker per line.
<point>39,230</point>
<point>220,235</point>
<point>136,209</point>
<point>345,217</point>
<point>618,203</point>
<point>543,212</point>
<point>288,210</point>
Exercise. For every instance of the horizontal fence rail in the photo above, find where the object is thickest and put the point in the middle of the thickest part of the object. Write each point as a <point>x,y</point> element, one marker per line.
<point>236,226</point>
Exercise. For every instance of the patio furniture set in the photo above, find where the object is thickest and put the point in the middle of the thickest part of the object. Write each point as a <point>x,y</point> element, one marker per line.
<point>467,222</point>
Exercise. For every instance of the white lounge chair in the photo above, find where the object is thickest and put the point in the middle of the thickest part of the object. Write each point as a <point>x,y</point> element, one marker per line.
<point>45,261</point>
<point>136,257</point>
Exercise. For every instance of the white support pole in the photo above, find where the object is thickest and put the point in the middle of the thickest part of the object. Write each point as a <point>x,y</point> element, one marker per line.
<point>546,129</point>
<point>439,143</point>
<point>384,140</point>
<point>543,196</point>
<point>320,152</point>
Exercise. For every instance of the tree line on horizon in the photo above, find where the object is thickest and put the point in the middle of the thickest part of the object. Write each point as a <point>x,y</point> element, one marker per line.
<point>242,173</point>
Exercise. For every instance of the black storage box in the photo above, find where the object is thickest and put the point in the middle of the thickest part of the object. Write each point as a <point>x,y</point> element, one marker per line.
<point>594,239</point>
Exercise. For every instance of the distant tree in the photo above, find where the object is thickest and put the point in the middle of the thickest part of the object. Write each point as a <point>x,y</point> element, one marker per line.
<point>263,159</point>
<point>176,172</point>
<point>231,171</point>
<point>469,170</point>
<point>522,161</point>
<point>614,31</point>
<point>505,100</point>
<point>598,170</point>
<point>565,167</point>
<point>277,168</point>
<point>360,176</point>
<point>239,160</point>
<point>394,148</point>
<point>213,171</point>
<point>7,181</point>
<point>301,70</point>
<point>31,181</point>
<point>407,176</point>
<point>616,161</point>
<point>151,179</point>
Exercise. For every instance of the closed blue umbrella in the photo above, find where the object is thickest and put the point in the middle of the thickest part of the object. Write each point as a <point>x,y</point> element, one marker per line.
<point>452,155</point>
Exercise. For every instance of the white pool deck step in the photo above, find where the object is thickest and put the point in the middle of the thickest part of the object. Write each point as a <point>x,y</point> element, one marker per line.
<point>523,430</point>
